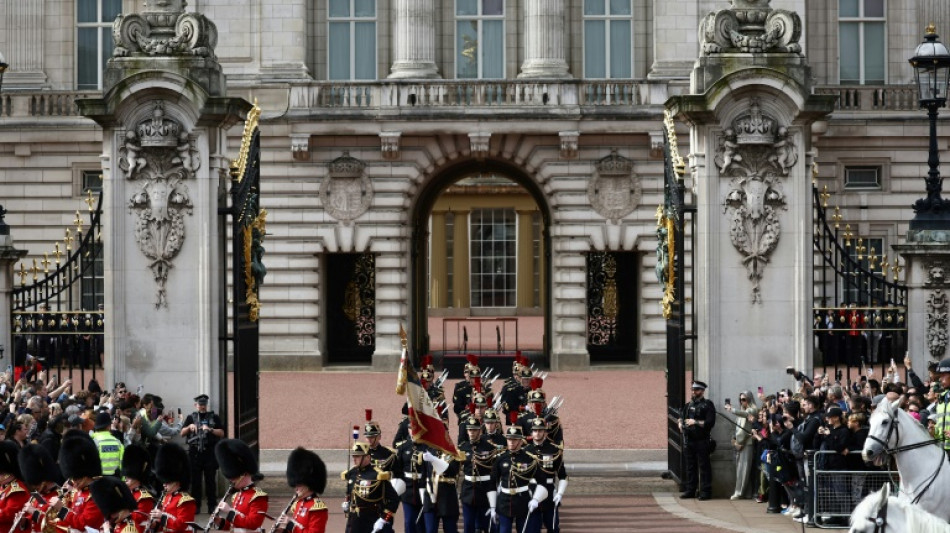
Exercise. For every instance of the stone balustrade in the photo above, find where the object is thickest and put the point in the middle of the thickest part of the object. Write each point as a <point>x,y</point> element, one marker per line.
<point>872,97</point>
<point>42,103</point>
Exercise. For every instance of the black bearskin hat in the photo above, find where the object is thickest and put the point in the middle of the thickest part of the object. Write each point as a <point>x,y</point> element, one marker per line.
<point>112,495</point>
<point>79,457</point>
<point>8,458</point>
<point>37,465</point>
<point>136,462</point>
<point>171,465</point>
<point>236,458</point>
<point>306,468</point>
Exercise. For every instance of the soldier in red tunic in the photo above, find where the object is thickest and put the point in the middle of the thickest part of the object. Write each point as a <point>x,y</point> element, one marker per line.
<point>113,497</point>
<point>246,510</point>
<point>136,464</point>
<point>79,461</point>
<point>13,492</point>
<point>177,508</point>
<point>307,474</point>
<point>39,472</point>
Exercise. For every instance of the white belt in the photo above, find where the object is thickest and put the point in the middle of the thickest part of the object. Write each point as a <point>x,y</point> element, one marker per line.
<point>413,475</point>
<point>514,491</point>
<point>477,478</point>
<point>242,530</point>
<point>549,481</point>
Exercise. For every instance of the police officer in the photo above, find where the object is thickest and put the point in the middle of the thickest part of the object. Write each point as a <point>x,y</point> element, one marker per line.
<point>202,429</point>
<point>480,454</point>
<point>371,501</point>
<point>517,476</point>
<point>110,449</point>
<point>696,422</point>
<point>942,428</point>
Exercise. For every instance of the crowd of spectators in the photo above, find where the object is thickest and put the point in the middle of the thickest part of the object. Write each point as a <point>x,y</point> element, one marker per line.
<point>822,424</point>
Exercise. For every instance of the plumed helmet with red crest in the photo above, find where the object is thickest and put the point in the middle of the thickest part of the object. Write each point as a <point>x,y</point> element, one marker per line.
<point>371,428</point>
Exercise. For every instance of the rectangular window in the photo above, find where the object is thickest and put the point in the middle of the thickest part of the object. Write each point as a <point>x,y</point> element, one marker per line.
<point>862,177</point>
<point>94,43</point>
<point>351,38</point>
<point>862,41</point>
<point>608,39</point>
<point>493,258</point>
<point>91,181</point>
<point>480,39</point>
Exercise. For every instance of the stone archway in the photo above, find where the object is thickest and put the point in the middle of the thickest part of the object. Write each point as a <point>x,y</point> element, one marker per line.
<point>420,211</point>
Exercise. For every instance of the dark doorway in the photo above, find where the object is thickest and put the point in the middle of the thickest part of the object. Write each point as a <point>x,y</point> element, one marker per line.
<point>351,308</point>
<point>612,307</point>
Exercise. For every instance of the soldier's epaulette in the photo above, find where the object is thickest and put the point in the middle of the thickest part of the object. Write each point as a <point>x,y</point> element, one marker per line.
<point>343,475</point>
<point>392,450</point>
<point>185,498</point>
<point>145,495</point>
<point>383,475</point>
<point>318,505</point>
<point>258,492</point>
<point>129,528</point>
<point>15,487</point>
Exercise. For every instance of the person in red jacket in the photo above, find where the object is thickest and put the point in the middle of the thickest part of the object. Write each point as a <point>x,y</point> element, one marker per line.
<point>79,461</point>
<point>136,464</point>
<point>177,507</point>
<point>246,510</point>
<point>39,472</point>
<point>13,492</point>
<point>307,475</point>
<point>113,497</point>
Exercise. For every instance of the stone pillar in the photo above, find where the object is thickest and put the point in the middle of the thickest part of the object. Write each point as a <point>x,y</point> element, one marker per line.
<point>284,42</point>
<point>749,139</point>
<point>22,43</point>
<point>414,40</point>
<point>927,267</point>
<point>525,273</point>
<point>460,267</point>
<point>164,120</point>
<point>438,274</point>
<point>8,257</point>
<point>545,49</point>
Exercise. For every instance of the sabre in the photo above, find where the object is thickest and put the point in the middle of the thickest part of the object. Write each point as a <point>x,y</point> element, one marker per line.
<point>525,527</point>
<point>442,377</point>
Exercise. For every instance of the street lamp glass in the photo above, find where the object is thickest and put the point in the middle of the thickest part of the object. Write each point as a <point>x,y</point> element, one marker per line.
<point>931,64</point>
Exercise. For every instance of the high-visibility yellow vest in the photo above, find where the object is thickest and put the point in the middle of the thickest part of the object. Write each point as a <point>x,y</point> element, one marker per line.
<point>943,419</point>
<point>110,451</point>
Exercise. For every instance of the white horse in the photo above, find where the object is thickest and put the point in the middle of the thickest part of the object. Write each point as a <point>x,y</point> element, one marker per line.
<point>923,466</point>
<point>880,512</point>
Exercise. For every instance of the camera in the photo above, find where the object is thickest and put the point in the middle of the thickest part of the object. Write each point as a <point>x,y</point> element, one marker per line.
<point>790,371</point>
<point>728,401</point>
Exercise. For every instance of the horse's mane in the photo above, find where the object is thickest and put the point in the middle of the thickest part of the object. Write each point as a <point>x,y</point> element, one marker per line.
<point>913,427</point>
<point>917,519</point>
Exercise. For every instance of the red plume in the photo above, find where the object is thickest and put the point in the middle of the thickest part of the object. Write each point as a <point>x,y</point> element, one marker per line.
<point>426,360</point>
<point>536,383</point>
<point>424,383</point>
<point>471,408</point>
<point>472,359</point>
<point>478,384</point>
<point>537,408</point>
<point>369,415</point>
<point>512,417</point>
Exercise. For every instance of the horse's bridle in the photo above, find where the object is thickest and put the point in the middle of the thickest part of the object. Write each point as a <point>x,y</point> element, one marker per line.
<point>880,518</point>
<point>893,451</point>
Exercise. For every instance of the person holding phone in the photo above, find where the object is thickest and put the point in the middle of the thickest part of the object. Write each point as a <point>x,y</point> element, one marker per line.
<point>696,422</point>
<point>744,444</point>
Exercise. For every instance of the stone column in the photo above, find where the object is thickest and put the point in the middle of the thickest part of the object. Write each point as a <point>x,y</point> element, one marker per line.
<point>460,267</point>
<point>8,257</point>
<point>544,36</point>
<point>165,120</point>
<point>927,267</point>
<point>414,40</point>
<point>438,274</point>
<point>525,273</point>
<point>22,43</point>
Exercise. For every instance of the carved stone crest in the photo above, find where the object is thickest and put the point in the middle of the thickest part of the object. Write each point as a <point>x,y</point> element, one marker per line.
<point>756,153</point>
<point>347,192</point>
<point>937,310</point>
<point>614,190</point>
<point>164,29</point>
<point>750,26</point>
<point>161,155</point>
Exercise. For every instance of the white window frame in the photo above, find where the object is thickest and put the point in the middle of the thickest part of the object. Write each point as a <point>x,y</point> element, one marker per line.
<point>479,18</point>
<point>608,18</point>
<point>861,20</point>
<point>352,19</point>
<point>508,291</point>
<point>100,26</point>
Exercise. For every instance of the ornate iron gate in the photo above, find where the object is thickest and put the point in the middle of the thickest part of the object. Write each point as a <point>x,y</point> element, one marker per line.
<point>675,224</point>
<point>860,317</point>
<point>58,318</point>
<point>248,222</point>
<point>612,309</point>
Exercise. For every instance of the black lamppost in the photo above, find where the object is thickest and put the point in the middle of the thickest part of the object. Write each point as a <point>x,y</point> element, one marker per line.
<point>931,64</point>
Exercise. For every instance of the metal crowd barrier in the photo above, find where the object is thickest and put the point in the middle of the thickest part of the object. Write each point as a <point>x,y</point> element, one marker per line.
<point>837,492</point>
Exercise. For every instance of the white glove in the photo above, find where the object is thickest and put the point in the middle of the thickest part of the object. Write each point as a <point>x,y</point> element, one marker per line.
<point>491,513</point>
<point>428,457</point>
<point>557,498</point>
<point>346,506</point>
<point>532,505</point>
<point>379,525</point>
